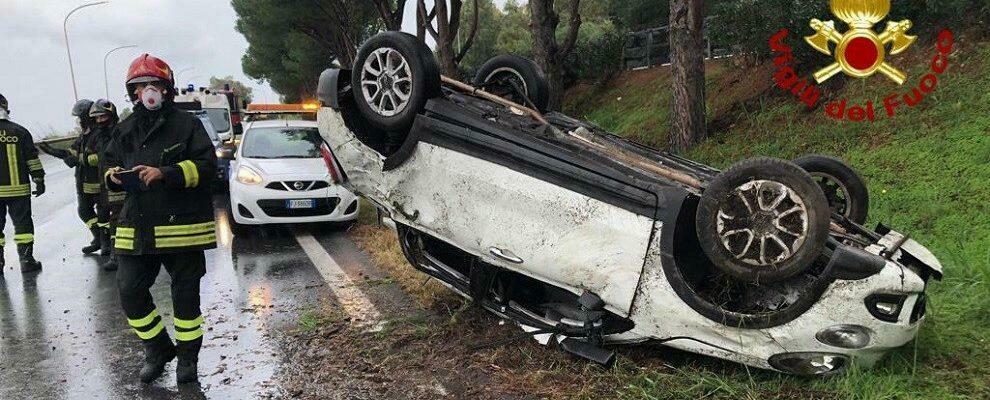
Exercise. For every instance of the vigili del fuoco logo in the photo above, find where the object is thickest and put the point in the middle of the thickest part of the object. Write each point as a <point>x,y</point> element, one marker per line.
<point>859,52</point>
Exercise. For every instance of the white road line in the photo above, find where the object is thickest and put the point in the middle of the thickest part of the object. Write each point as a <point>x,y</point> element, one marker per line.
<point>354,302</point>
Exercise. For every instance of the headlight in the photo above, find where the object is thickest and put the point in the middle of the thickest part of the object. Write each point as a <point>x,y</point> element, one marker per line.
<point>845,336</point>
<point>247,176</point>
<point>809,364</point>
<point>885,307</point>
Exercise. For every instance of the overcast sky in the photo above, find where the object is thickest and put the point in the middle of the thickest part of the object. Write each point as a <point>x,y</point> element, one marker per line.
<point>34,71</point>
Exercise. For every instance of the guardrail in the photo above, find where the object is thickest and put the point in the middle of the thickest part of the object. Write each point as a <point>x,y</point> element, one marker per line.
<point>651,47</point>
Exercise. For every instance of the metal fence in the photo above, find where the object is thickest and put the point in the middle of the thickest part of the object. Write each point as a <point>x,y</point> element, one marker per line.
<point>651,47</point>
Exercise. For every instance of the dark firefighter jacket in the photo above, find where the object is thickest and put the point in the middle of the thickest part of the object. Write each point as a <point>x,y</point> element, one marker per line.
<point>176,213</point>
<point>104,136</point>
<point>84,156</point>
<point>18,161</point>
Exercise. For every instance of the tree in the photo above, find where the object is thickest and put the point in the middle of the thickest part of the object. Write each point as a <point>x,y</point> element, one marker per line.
<point>550,55</point>
<point>640,14</point>
<point>485,43</point>
<point>687,64</point>
<point>242,90</point>
<point>291,41</point>
<point>447,18</point>
<point>391,13</point>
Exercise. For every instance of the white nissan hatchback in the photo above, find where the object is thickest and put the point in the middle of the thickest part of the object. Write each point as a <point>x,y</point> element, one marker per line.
<point>283,173</point>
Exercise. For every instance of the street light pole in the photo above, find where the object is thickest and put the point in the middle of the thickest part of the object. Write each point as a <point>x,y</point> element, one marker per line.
<point>65,32</point>
<point>106,83</point>
<point>179,73</point>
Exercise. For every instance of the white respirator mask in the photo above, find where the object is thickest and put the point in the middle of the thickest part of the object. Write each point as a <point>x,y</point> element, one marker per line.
<point>152,98</point>
<point>4,114</point>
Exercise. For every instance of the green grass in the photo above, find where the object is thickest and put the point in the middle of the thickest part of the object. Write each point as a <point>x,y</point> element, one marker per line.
<point>313,318</point>
<point>928,171</point>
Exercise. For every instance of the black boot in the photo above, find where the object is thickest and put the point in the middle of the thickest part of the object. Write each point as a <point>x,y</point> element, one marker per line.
<point>186,368</point>
<point>95,244</point>
<point>157,353</point>
<point>106,251</point>
<point>28,263</point>
<point>110,263</point>
<point>105,247</point>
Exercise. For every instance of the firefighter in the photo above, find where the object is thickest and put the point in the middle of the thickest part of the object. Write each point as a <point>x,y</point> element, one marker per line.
<point>104,115</point>
<point>167,215</point>
<point>83,155</point>
<point>18,163</point>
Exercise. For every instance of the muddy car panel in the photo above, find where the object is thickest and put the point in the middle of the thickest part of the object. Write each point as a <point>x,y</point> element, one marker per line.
<point>506,218</point>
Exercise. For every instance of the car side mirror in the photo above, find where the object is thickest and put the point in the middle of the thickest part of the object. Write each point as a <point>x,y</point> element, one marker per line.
<point>224,136</point>
<point>227,152</point>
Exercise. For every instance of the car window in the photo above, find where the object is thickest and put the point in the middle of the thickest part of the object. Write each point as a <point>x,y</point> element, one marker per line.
<point>208,125</point>
<point>282,143</point>
<point>220,118</point>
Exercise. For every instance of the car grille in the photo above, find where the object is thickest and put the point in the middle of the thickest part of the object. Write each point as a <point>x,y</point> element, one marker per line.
<point>277,208</point>
<point>298,186</point>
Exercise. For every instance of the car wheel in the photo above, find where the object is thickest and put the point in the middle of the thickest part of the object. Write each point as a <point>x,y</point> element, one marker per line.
<point>763,220</point>
<point>394,75</point>
<point>844,188</point>
<point>508,75</point>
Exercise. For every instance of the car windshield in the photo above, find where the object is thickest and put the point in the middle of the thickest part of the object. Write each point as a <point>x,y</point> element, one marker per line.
<point>286,142</point>
<point>208,125</point>
<point>220,118</point>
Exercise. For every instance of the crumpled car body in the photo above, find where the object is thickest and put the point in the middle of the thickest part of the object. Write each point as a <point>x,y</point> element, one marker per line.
<point>504,211</point>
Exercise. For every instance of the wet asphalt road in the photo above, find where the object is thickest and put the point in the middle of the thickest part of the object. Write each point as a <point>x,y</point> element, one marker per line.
<point>64,336</point>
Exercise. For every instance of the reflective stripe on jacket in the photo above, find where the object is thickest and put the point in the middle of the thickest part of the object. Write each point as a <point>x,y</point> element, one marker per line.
<point>19,161</point>
<point>86,151</point>
<point>175,214</point>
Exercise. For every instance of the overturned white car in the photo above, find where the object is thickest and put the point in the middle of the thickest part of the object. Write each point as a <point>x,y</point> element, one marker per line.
<point>570,231</point>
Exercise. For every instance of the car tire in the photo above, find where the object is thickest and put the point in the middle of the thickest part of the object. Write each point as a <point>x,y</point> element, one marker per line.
<point>844,189</point>
<point>498,75</point>
<point>416,77</point>
<point>763,220</point>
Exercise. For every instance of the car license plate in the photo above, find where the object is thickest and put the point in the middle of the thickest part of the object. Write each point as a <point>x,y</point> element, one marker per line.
<point>296,204</point>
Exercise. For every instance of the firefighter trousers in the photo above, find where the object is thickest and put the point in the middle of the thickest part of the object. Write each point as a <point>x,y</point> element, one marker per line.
<point>136,275</point>
<point>19,209</point>
<point>90,210</point>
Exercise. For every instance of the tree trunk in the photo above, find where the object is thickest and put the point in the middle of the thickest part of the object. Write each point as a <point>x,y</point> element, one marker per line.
<point>448,24</point>
<point>544,27</point>
<point>548,54</point>
<point>687,65</point>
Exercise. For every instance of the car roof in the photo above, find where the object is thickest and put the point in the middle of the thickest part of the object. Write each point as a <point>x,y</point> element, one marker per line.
<point>281,124</point>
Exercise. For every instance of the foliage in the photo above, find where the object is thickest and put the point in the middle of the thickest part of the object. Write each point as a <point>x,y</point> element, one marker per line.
<point>242,90</point>
<point>641,14</point>
<point>748,24</point>
<point>598,54</point>
<point>291,41</point>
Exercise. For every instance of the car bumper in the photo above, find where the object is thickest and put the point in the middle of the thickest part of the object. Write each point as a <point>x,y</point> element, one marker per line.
<point>807,340</point>
<point>258,205</point>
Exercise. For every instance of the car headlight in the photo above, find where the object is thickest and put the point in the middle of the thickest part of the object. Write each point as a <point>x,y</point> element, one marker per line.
<point>884,306</point>
<point>809,364</point>
<point>247,176</point>
<point>845,336</point>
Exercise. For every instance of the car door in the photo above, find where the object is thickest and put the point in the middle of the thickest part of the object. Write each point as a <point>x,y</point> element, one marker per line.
<point>516,221</point>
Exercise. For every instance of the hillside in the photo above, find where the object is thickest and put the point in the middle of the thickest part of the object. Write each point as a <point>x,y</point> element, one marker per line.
<point>928,171</point>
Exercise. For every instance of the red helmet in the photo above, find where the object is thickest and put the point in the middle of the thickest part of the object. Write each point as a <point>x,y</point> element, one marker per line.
<point>148,68</point>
